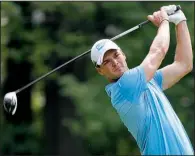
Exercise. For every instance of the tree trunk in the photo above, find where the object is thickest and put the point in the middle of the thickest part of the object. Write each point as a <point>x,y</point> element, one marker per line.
<point>59,140</point>
<point>18,76</point>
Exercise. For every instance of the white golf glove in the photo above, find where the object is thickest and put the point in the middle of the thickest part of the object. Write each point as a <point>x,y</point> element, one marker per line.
<point>177,17</point>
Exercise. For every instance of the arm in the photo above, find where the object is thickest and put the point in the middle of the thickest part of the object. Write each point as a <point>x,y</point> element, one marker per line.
<point>183,61</point>
<point>159,46</point>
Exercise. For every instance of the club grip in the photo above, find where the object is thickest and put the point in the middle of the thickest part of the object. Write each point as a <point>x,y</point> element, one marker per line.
<point>178,7</point>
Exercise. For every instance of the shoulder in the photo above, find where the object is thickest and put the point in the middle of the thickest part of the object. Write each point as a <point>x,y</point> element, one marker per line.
<point>129,86</point>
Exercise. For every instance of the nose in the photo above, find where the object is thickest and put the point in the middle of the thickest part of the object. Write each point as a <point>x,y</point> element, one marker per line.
<point>114,62</point>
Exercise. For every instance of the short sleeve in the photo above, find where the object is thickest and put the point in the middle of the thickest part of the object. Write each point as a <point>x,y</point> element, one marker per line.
<point>158,78</point>
<point>132,83</point>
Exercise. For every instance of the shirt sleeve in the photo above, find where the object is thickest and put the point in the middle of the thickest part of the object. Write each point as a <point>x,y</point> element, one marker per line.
<point>133,83</point>
<point>158,78</point>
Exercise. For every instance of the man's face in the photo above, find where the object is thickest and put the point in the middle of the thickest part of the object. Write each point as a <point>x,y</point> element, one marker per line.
<point>113,65</point>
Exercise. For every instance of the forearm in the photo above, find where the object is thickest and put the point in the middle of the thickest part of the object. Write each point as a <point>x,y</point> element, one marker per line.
<point>184,48</point>
<point>162,39</point>
<point>157,51</point>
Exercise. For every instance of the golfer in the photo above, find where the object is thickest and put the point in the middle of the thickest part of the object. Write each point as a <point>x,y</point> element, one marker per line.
<point>137,93</point>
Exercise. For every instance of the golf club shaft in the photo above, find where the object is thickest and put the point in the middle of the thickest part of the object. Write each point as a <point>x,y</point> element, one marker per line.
<point>130,30</point>
<point>85,53</point>
<point>79,56</point>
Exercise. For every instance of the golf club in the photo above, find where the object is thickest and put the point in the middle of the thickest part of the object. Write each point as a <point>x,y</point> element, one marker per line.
<point>10,99</point>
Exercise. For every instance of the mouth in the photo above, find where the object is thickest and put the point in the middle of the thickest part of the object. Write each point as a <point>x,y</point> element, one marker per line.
<point>117,69</point>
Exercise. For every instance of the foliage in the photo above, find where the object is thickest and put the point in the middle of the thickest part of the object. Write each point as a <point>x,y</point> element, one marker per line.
<point>66,29</point>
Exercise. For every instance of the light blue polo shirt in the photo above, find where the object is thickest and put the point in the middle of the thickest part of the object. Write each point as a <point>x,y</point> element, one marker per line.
<point>148,114</point>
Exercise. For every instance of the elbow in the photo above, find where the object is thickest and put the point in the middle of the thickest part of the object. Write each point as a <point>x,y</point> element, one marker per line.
<point>184,68</point>
<point>188,68</point>
<point>190,63</point>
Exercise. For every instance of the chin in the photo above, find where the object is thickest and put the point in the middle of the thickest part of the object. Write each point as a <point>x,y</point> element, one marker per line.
<point>118,74</point>
<point>120,71</point>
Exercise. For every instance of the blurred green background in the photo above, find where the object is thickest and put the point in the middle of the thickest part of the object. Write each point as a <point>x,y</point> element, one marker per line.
<point>69,113</point>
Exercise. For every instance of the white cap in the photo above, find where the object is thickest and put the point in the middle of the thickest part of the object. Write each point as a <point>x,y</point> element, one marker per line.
<point>99,49</point>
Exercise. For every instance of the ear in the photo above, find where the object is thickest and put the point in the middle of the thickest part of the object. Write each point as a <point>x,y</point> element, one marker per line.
<point>99,71</point>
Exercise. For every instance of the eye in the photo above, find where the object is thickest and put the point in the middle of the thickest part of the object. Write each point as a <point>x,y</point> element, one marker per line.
<point>105,62</point>
<point>117,54</point>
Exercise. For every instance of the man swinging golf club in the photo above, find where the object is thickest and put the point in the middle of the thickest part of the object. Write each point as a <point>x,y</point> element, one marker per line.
<point>10,99</point>
<point>137,93</point>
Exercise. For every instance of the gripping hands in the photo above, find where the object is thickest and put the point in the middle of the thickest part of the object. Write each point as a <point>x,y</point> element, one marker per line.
<point>174,17</point>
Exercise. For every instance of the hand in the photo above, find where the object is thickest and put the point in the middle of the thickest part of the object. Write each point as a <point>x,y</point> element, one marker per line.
<point>177,17</point>
<point>158,17</point>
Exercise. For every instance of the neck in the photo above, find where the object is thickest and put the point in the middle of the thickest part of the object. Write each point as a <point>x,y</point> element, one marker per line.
<point>113,80</point>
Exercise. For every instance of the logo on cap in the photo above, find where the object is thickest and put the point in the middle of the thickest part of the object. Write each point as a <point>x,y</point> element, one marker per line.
<point>100,46</point>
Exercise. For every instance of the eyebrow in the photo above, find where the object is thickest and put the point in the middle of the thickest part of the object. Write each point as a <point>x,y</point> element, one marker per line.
<point>114,53</point>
